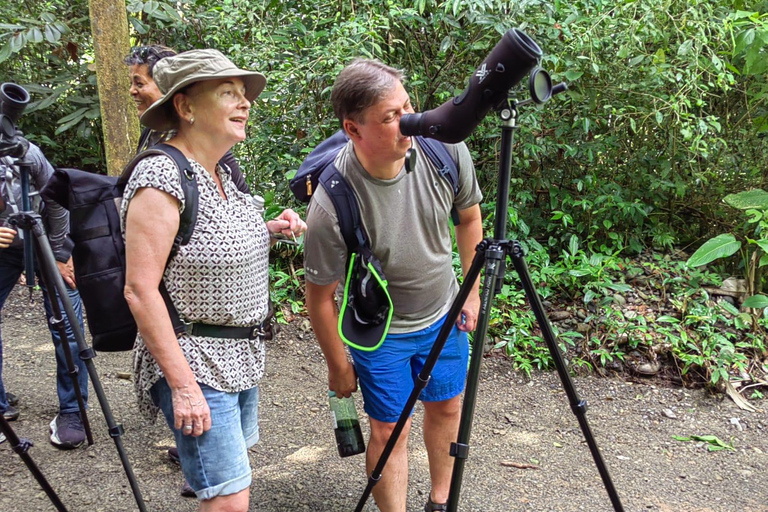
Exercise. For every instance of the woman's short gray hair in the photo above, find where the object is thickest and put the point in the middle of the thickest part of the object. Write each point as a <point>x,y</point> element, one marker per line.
<point>363,83</point>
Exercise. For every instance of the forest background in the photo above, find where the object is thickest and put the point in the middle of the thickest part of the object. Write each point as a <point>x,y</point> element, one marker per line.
<point>646,179</point>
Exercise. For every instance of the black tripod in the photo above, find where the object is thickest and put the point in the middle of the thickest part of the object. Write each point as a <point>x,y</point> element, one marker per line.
<point>32,224</point>
<point>493,253</point>
<point>21,447</point>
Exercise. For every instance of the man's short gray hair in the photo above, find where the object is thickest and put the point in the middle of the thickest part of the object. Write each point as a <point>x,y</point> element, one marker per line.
<point>363,83</point>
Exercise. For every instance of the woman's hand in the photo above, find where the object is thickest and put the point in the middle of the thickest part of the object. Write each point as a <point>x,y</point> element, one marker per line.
<point>191,414</point>
<point>6,236</point>
<point>287,223</point>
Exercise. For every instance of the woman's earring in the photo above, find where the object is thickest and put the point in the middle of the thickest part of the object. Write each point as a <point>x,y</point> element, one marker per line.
<point>191,120</point>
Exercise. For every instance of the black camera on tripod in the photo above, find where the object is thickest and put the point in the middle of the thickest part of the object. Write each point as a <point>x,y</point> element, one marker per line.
<point>13,101</point>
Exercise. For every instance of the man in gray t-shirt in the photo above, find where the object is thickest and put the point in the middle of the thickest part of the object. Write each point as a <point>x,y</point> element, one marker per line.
<point>406,217</point>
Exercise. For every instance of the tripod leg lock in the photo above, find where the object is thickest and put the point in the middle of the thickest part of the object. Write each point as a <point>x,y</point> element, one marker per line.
<point>87,354</point>
<point>23,446</point>
<point>56,322</point>
<point>579,409</point>
<point>116,431</point>
<point>459,450</point>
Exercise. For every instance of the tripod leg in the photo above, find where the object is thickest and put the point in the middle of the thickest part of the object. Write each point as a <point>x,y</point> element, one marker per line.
<point>494,269</point>
<point>58,322</point>
<point>86,354</point>
<point>578,406</point>
<point>21,447</point>
<point>423,377</point>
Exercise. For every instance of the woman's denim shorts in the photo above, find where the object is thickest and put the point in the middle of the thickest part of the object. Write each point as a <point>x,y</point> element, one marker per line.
<point>216,463</point>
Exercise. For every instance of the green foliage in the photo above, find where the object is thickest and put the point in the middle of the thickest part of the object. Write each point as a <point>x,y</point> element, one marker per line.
<point>754,258</point>
<point>46,48</point>
<point>667,111</point>
<point>713,443</point>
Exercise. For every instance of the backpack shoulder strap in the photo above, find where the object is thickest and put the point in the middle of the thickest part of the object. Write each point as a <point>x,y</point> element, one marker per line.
<point>347,210</point>
<point>188,216</point>
<point>447,167</point>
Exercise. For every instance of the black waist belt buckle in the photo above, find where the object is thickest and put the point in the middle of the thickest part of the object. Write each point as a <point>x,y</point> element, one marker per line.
<point>227,331</point>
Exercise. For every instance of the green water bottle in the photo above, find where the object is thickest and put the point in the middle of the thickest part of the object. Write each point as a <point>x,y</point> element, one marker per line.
<point>346,426</point>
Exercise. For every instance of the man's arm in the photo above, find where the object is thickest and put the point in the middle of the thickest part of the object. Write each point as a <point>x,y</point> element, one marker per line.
<point>56,216</point>
<point>324,317</point>
<point>469,233</point>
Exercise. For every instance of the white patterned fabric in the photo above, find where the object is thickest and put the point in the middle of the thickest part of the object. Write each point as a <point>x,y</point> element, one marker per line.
<point>220,277</point>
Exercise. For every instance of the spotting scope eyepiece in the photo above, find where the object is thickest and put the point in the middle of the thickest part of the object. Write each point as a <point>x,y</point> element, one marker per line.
<point>13,100</point>
<point>453,121</point>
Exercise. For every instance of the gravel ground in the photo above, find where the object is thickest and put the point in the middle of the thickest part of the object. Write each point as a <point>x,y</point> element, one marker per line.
<point>527,452</point>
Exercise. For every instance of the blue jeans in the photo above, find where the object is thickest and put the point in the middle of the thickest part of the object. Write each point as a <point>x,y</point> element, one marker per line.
<point>11,268</point>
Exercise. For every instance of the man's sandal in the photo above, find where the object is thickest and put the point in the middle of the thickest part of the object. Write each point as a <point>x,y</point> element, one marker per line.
<point>432,507</point>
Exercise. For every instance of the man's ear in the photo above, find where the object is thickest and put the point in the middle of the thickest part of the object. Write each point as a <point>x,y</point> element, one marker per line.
<point>351,128</point>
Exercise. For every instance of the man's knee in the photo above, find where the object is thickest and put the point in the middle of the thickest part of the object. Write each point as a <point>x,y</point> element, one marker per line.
<point>381,432</point>
<point>445,409</point>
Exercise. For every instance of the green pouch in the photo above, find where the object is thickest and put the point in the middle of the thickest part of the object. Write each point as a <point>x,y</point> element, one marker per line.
<point>366,310</point>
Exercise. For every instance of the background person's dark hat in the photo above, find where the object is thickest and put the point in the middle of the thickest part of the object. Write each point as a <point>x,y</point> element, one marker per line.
<point>366,309</point>
<point>173,73</point>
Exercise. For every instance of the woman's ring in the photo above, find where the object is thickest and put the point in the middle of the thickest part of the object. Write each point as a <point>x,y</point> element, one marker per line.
<point>187,427</point>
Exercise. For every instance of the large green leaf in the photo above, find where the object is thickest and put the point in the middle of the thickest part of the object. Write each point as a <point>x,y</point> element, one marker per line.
<point>754,199</point>
<point>721,246</point>
<point>756,301</point>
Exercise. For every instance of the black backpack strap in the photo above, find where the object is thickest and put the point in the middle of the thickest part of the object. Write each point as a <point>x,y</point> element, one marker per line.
<point>188,217</point>
<point>439,155</point>
<point>347,209</point>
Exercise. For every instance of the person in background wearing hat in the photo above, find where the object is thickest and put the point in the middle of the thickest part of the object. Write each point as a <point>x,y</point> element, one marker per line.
<point>206,383</point>
<point>141,62</point>
<point>406,218</point>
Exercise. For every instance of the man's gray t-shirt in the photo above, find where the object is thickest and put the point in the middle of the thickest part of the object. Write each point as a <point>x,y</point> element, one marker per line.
<point>407,222</point>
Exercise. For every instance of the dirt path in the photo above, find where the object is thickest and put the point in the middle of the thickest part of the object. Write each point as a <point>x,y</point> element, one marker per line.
<point>527,452</point>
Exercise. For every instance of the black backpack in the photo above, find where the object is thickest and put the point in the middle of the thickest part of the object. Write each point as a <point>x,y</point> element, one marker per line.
<point>318,169</point>
<point>93,201</point>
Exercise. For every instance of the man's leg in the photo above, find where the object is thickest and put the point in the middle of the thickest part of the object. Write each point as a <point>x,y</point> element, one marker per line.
<point>64,386</point>
<point>66,429</point>
<point>442,408</point>
<point>441,428</point>
<point>11,267</point>
<point>391,491</point>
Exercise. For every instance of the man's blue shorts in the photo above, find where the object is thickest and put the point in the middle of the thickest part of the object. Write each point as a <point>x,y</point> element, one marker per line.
<point>387,375</point>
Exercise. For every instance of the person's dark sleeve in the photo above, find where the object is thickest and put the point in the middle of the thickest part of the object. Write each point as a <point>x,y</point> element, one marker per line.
<point>237,175</point>
<point>55,216</point>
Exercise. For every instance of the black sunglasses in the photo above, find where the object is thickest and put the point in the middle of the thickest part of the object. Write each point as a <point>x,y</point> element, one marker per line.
<point>146,52</point>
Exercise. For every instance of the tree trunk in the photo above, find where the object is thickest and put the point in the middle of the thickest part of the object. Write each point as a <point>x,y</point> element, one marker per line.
<point>109,26</point>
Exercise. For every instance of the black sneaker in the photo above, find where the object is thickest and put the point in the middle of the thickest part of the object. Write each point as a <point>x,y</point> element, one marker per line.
<point>12,399</point>
<point>11,414</point>
<point>67,431</point>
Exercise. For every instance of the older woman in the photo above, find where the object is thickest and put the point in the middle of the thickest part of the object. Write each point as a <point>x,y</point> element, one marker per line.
<point>205,384</point>
<point>141,62</point>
